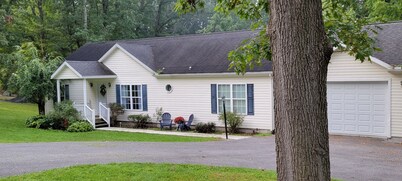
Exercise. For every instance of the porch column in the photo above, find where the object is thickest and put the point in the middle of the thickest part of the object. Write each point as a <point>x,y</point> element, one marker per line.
<point>58,90</point>
<point>84,85</point>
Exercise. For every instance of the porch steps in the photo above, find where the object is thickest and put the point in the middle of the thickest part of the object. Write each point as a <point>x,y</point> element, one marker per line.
<point>99,122</point>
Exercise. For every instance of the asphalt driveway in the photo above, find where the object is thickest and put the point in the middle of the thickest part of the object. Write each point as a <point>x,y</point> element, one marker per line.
<point>352,158</point>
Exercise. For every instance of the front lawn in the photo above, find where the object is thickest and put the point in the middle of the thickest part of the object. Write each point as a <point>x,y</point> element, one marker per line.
<point>13,130</point>
<point>148,171</point>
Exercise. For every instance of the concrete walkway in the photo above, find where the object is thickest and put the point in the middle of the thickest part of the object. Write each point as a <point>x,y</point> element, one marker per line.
<point>176,133</point>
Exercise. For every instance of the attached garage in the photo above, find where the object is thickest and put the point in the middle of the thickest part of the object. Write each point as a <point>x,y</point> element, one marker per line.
<point>359,108</point>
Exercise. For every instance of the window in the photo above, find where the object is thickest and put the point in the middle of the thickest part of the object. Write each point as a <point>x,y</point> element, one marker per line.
<point>131,97</point>
<point>64,92</point>
<point>235,98</point>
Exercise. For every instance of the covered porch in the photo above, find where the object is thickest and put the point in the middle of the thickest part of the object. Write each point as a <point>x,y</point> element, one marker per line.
<point>90,91</point>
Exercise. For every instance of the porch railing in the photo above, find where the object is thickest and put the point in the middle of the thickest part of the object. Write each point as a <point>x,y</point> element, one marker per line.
<point>104,113</point>
<point>89,115</point>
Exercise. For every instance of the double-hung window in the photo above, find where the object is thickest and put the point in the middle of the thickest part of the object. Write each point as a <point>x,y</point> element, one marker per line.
<point>235,98</point>
<point>131,97</point>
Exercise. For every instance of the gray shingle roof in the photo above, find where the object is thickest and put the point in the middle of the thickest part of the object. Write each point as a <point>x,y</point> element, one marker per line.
<point>90,68</point>
<point>389,39</point>
<point>207,53</point>
<point>204,53</point>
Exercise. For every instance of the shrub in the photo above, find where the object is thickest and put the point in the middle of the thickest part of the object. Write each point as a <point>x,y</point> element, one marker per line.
<point>59,118</point>
<point>234,121</point>
<point>80,126</point>
<point>115,110</point>
<point>140,120</point>
<point>205,128</point>
<point>35,121</point>
<point>67,111</point>
<point>54,120</point>
<point>179,120</point>
<point>158,113</point>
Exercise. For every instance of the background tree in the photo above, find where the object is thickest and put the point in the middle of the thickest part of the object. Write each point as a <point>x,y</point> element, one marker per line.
<point>32,79</point>
<point>384,10</point>
<point>299,40</point>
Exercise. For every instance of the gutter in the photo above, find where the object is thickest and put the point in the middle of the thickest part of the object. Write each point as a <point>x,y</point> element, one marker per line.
<point>214,75</point>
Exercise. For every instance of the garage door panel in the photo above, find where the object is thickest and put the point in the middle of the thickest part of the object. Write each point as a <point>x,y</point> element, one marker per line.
<point>364,118</point>
<point>337,127</point>
<point>350,106</point>
<point>358,108</point>
<point>364,129</point>
<point>378,119</point>
<point>364,97</point>
<point>364,107</point>
<point>350,127</point>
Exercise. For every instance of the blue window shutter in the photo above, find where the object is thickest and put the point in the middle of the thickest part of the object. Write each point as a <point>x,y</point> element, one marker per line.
<point>118,100</point>
<point>213,99</point>
<point>250,99</point>
<point>144,98</point>
<point>66,92</point>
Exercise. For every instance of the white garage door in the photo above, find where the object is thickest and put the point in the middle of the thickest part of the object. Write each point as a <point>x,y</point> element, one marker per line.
<point>358,108</point>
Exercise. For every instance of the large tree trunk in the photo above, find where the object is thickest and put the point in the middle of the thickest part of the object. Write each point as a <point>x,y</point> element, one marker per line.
<point>41,106</point>
<point>300,55</point>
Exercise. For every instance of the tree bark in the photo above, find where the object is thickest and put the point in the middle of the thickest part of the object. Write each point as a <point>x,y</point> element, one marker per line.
<point>41,106</point>
<point>300,55</point>
<point>85,15</point>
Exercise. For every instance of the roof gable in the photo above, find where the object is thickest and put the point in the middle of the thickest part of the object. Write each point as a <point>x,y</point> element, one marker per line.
<point>144,62</point>
<point>65,71</point>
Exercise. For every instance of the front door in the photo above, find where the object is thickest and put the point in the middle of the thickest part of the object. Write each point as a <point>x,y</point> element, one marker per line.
<point>101,94</point>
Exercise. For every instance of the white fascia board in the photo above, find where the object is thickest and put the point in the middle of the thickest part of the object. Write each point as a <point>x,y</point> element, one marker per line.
<point>100,76</point>
<point>381,63</point>
<point>61,68</point>
<point>249,74</point>
<point>115,46</point>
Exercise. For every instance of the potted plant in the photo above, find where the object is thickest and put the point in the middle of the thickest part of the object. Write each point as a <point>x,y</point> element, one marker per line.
<point>179,120</point>
<point>115,109</point>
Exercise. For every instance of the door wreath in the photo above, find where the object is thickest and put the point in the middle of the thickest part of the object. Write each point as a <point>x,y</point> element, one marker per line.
<point>103,89</point>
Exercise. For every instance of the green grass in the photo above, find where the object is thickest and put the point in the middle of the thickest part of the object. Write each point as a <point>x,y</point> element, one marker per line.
<point>148,171</point>
<point>13,130</point>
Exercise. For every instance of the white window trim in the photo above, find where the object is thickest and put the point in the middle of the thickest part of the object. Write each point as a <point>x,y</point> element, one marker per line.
<point>131,97</point>
<point>231,97</point>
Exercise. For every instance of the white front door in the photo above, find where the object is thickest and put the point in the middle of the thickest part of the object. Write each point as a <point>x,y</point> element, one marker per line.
<point>99,97</point>
<point>358,108</point>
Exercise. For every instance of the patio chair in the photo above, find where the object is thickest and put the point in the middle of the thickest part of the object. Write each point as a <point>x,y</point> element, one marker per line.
<point>187,125</point>
<point>166,121</point>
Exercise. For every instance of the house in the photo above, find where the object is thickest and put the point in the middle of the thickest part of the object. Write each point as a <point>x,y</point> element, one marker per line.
<point>189,75</point>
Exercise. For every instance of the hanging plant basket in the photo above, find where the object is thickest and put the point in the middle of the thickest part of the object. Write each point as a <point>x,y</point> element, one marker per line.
<point>103,90</point>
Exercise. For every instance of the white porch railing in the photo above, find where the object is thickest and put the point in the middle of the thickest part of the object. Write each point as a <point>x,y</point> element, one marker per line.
<point>89,115</point>
<point>104,113</point>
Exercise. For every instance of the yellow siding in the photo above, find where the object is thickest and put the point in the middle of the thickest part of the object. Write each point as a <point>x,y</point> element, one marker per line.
<point>189,95</point>
<point>66,73</point>
<point>344,68</point>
